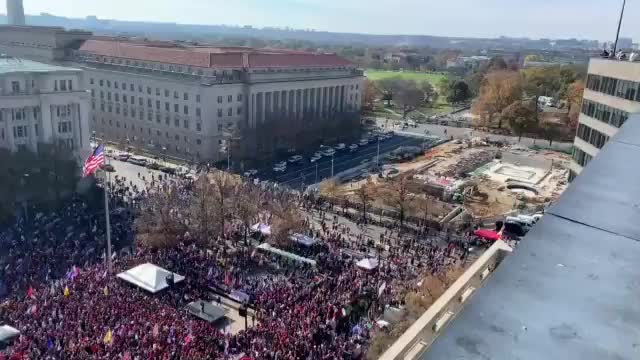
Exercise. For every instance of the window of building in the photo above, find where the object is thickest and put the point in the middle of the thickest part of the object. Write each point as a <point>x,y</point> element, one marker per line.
<point>157,104</point>
<point>185,123</point>
<point>198,98</point>
<point>198,112</point>
<point>149,103</point>
<point>186,96</point>
<point>141,115</point>
<point>108,83</point>
<point>110,108</point>
<point>149,116</point>
<point>124,99</point>
<point>176,108</point>
<point>36,129</point>
<point>230,112</point>
<point>101,82</point>
<point>176,122</point>
<point>117,97</point>
<point>167,106</point>
<point>219,99</point>
<point>109,96</point>
<point>186,110</point>
<point>166,93</point>
<point>148,90</point>
<point>198,141</point>
<point>101,106</point>
<point>239,110</point>
<point>157,118</point>
<point>157,91</point>
<point>219,113</point>
<point>115,85</point>
<point>133,113</point>
<point>239,97</point>
<point>167,120</point>
<point>124,86</point>
<point>175,95</point>
<point>131,87</point>
<point>63,85</point>
<point>133,100</point>
<point>198,127</point>
<point>70,84</point>
<point>91,81</point>
<point>230,98</point>
<point>139,88</point>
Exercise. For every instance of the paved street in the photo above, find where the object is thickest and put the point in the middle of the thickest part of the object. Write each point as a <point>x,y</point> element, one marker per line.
<point>462,133</point>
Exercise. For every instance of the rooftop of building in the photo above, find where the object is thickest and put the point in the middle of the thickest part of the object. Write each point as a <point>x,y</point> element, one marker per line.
<point>42,29</point>
<point>570,289</point>
<point>9,64</point>
<point>181,53</point>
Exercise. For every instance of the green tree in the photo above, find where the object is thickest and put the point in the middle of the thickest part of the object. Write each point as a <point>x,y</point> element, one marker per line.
<point>520,118</point>
<point>429,92</point>
<point>458,92</point>
<point>550,130</point>
<point>499,90</point>
<point>443,86</point>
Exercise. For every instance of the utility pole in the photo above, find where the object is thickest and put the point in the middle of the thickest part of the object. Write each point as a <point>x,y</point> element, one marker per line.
<point>332,165</point>
<point>316,172</point>
<point>378,154</point>
<point>615,44</point>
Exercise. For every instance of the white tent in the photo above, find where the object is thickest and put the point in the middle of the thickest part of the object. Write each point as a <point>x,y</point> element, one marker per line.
<point>262,228</point>
<point>303,239</point>
<point>7,333</point>
<point>149,277</point>
<point>368,264</point>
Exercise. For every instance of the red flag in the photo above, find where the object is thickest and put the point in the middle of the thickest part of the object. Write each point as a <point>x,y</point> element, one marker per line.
<point>227,278</point>
<point>30,294</point>
<point>127,356</point>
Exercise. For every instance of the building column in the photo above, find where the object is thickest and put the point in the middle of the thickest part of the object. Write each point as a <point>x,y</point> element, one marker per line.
<point>83,121</point>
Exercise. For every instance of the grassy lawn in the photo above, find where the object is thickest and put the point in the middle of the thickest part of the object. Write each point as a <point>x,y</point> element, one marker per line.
<point>407,75</point>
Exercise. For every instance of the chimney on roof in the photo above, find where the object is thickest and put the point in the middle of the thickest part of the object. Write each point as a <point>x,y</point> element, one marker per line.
<point>15,12</point>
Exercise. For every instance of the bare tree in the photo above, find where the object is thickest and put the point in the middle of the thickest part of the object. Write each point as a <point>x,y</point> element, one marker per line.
<point>246,209</point>
<point>365,194</point>
<point>203,209</point>
<point>400,196</point>
<point>163,218</point>
<point>224,185</point>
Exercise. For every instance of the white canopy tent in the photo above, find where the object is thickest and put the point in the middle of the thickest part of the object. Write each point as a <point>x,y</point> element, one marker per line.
<point>274,250</point>
<point>7,333</point>
<point>149,277</point>
<point>367,264</point>
<point>303,239</point>
<point>264,229</point>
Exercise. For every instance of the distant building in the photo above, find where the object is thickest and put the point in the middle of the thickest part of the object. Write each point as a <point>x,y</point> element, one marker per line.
<point>15,12</point>
<point>187,101</point>
<point>41,103</point>
<point>612,93</point>
<point>467,62</point>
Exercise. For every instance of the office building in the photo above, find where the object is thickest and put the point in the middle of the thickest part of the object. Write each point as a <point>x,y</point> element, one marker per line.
<point>611,94</point>
<point>41,103</point>
<point>15,12</point>
<point>193,101</point>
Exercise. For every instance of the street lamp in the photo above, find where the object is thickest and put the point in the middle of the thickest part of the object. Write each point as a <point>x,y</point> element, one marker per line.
<point>316,172</point>
<point>378,154</point>
<point>332,155</point>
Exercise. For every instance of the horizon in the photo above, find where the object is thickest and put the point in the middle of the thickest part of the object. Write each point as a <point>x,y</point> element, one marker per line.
<point>306,17</point>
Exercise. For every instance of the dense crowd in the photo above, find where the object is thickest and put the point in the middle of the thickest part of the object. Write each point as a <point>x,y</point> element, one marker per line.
<point>66,305</point>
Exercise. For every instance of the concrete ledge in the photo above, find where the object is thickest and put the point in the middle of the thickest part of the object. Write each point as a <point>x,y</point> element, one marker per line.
<point>417,339</point>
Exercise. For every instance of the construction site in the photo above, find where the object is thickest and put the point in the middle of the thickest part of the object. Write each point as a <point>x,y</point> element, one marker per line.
<point>460,182</point>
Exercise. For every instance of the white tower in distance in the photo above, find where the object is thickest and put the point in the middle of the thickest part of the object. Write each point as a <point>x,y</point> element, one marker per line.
<point>15,12</point>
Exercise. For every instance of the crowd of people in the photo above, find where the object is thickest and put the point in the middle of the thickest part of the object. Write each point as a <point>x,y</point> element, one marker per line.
<point>60,296</point>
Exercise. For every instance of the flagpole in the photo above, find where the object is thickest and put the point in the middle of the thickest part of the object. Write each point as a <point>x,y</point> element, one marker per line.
<point>107,220</point>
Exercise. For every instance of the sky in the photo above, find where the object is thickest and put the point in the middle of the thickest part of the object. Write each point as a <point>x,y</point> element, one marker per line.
<point>582,19</point>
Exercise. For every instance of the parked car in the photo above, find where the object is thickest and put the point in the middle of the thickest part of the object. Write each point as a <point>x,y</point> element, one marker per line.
<point>318,154</point>
<point>108,168</point>
<point>365,161</point>
<point>279,169</point>
<point>251,173</point>
<point>153,166</point>
<point>168,170</point>
<point>329,152</point>
<point>353,147</point>
<point>122,157</point>
<point>315,158</point>
<point>138,160</point>
<point>363,142</point>
<point>340,147</point>
<point>294,159</point>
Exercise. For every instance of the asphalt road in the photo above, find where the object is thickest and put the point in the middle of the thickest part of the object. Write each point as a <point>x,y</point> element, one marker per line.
<point>297,175</point>
<point>466,133</point>
<point>306,173</point>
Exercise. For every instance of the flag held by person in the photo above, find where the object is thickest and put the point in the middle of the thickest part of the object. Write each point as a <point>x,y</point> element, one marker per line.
<point>94,161</point>
<point>108,337</point>
<point>66,291</point>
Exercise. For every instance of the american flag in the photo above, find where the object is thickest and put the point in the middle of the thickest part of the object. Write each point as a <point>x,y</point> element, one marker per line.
<point>94,161</point>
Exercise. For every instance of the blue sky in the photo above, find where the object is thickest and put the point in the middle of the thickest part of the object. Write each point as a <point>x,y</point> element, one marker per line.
<point>592,19</point>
